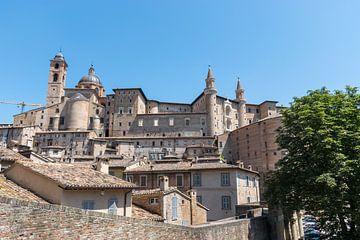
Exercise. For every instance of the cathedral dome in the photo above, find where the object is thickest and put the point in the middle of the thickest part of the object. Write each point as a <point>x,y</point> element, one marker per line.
<point>59,56</point>
<point>91,77</point>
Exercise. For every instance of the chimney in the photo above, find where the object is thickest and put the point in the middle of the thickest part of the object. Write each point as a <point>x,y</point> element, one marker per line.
<point>193,206</point>
<point>164,183</point>
<point>102,165</point>
<point>241,164</point>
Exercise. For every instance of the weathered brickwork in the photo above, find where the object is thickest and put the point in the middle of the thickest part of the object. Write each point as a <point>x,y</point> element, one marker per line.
<point>29,220</point>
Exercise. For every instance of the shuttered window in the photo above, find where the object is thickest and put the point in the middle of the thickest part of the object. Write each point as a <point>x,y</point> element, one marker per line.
<point>112,206</point>
<point>174,208</point>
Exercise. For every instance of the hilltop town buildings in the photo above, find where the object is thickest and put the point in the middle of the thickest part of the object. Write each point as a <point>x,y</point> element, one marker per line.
<point>201,144</point>
<point>81,120</point>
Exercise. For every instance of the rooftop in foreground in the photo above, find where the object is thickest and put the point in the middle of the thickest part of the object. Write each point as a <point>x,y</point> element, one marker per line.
<point>71,177</point>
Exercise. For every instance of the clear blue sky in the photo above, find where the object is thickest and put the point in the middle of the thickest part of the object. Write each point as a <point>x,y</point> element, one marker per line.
<point>279,49</point>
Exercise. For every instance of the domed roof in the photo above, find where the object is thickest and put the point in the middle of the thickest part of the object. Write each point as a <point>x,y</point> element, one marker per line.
<point>91,77</point>
<point>59,56</point>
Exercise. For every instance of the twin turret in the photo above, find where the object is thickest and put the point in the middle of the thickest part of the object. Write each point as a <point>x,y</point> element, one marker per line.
<point>213,115</point>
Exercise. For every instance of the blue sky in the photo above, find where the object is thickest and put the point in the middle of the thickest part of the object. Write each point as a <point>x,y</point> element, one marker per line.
<point>279,49</point>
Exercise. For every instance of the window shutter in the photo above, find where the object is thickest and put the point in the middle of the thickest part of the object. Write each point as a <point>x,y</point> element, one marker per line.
<point>174,208</point>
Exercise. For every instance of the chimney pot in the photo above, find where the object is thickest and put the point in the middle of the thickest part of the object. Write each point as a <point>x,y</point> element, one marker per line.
<point>164,183</point>
<point>102,165</point>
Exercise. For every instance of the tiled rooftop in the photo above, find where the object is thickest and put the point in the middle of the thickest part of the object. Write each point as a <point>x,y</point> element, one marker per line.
<point>10,155</point>
<point>156,191</point>
<point>11,190</point>
<point>141,213</point>
<point>71,176</point>
<point>184,166</point>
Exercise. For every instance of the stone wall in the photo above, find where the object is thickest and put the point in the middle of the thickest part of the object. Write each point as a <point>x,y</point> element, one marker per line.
<point>29,220</point>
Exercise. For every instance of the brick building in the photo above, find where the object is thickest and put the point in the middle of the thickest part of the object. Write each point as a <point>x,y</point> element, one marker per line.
<point>173,205</point>
<point>218,186</point>
<point>75,118</point>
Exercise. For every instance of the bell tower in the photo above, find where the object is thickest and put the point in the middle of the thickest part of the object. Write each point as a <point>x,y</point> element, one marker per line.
<point>57,78</point>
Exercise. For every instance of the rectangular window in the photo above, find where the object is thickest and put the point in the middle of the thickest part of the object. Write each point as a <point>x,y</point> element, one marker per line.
<point>197,179</point>
<point>112,206</point>
<point>143,181</point>
<point>129,178</point>
<point>202,121</point>
<point>179,180</point>
<point>121,110</point>
<point>88,204</point>
<point>153,201</point>
<point>156,122</point>
<point>158,180</point>
<point>62,120</point>
<point>130,110</point>
<point>140,122</point>
<point>226,202</point>
<point>174,208</point>
<point>254,181</point>
<point>187,122</point>
<point>225,179</point>
<point>51,121</point>
<point>171,121</point>
<point>199,199</point>
<point>247,181</point>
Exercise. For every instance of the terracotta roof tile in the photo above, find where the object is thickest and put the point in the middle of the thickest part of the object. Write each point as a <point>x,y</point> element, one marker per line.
<point>184,166</point>
<point>141,213</point>
<point>155,191</point>
<point>10,155</point>
<point>71,176</point>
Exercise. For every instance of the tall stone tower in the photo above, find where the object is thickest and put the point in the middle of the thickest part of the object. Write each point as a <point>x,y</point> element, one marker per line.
<point>57,78</point>
<point>210,101</point>
<point>240,98</point>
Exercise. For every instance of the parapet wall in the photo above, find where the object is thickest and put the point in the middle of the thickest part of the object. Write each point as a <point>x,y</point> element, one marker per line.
<point>30,220</point>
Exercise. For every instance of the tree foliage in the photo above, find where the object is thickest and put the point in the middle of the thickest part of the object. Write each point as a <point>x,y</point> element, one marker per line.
<point>321,172</point>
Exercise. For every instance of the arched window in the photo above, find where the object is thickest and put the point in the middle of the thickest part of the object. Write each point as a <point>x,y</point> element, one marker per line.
<point>228,110</point>
<point>228,124</point>
<point>56,76</point>
<point>56,66</point>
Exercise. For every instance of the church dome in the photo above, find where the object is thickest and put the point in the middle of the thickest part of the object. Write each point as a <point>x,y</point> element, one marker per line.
<point>91,77</point>
<point>59,56</point>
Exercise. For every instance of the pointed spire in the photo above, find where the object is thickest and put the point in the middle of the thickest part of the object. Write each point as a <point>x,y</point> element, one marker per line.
<point>238,87</point>
<point>210,73</point>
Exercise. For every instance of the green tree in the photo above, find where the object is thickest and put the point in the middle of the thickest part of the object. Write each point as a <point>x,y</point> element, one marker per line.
<point>321,171</point>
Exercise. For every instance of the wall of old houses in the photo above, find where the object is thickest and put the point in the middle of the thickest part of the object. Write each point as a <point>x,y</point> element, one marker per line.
<point>169,124</point>
<point>19,135</point>
<point>74,198</point>
<point>256,145</point>
<point>48,190</point>
<point>66,143</point>
<point>238,190</point>
<point>24,220</point>
<point>153,179</point>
